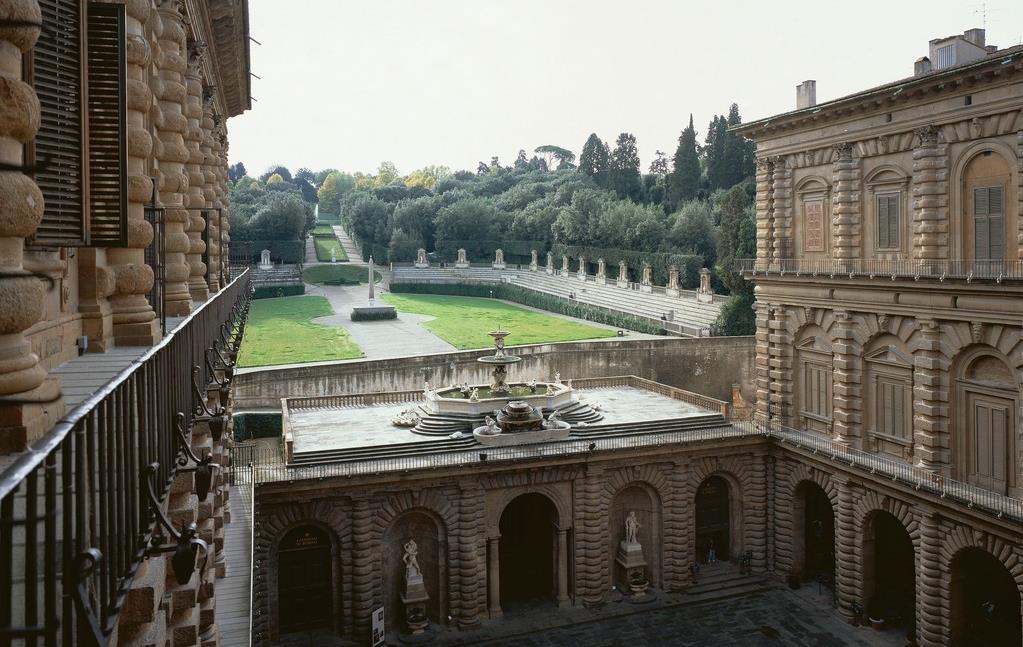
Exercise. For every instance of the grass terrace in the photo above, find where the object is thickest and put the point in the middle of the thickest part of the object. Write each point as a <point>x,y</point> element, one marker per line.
<point>323,246</point>
<point>464,322</point>
<point>337,275</point>
<point>281,331</point>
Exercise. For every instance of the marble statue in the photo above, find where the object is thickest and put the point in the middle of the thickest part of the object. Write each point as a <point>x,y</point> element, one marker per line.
<point>550,263</point>
<point>648,273</point>
<point>461,256</point>
<point>672,278</point>
<point>552,421</point>
<point>475,395</point>
<point>550,389</point>
<point>491,426</point>
<point>499,256</point>
<point>631,528</point>
<point>564,266</point>
<point>333,255</point>
<point>460,261</point>
<point>411,559</point>
<point>623,275</point>
<point>265,262</point>
<point>533,264</point>
<point>426,387</point>
<point>601,268</point>
<point>421,260</point>
<point>532,385</point>
<point>557,378</point>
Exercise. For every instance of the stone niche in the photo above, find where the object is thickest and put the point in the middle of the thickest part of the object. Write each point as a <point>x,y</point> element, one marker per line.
<point>431,539</point>
<point>645,503</point>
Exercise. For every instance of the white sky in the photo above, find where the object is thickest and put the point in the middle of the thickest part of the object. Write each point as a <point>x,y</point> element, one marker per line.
<point>348,84</point>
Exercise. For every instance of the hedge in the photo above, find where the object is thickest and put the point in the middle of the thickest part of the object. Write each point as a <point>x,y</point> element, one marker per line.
<point>379,253</point>
<point>533,299</point>
<point>378,315</point>
<point>274,291</point>
<point>281,251</point>
<point>688,264</point>
<point>256,425</point>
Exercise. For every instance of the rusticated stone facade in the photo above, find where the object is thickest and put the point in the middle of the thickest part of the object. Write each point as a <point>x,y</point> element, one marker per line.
<point>890,328</point>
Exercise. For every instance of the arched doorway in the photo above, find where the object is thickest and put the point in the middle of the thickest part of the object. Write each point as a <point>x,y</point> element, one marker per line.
<point>985,602</point>
<point>529,527</point>
<point>813,534</point>
<point>713,519</point>
<point>304,582</point>
<point>889,570</point>
<point>986,403</point>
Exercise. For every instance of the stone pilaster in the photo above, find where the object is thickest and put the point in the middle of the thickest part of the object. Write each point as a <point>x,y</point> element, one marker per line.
<point>95,285</point>
<point>679,554</point>
<point>29,401</point>
<point>931,601</point>
<point>930,196</point>
<point>771,510</point>
<point>783,535</point>
<point>755,515</point>
<point>846,219</point>
<point>172,156</point>
<point>219,149</point>
<point>781,211</point>
<point>846,550</point>
<point>1019,190</point>
<point>592,571</point>
<point>762,363</point>
<point>765,209</point>
<point>470,572</point>
<point>195,199</point>
<point>209,162</point>
<point>366,586</point>
<point>848,396</point>
<point>930,400</point>
<point>134,322</point>
<point>780,365</point>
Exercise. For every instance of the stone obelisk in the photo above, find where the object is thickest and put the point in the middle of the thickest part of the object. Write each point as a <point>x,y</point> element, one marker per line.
<point>371,292</point>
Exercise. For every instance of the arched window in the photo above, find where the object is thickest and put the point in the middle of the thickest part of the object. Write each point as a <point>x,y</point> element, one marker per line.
<point>987,399</point>
<point>888,396</point>
<point>988,220</point>
<point>814,393</point>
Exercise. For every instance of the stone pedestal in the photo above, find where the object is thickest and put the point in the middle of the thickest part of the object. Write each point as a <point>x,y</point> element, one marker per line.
<point>414,598</point>
<point>462,265</point>
<point>631,568</point>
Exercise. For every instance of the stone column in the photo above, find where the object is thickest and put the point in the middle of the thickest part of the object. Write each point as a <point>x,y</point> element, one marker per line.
<point>678,552</point>
<point>765,209</point>
<point>34,403</point>
<point>930,196</point>
<point>846,227</point>
<point>196,223</point>
<point>563,599</point>
<point>1019,190</point>
<point>846,551</point>
<point>780,365</point>
<point>592,574</point>
<point>134,322</point>
<point>755,512</point>
<point>494,577</point>
<point>930,400</point>
<point>469,603</point>
<point>220,186</point>
<point>930,601</point>
<point>172,157</point>
<point>848,397</point>
<point>366,586</point>
<point>762,363</point>
<point>781,211</point>
<point>209,162</point>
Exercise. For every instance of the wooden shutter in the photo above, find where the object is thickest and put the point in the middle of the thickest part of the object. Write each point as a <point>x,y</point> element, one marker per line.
<point>988,223</point>
<point>55,70</point>
<point>107,146</point>
<point>887,221</point>
<point>989,445</point>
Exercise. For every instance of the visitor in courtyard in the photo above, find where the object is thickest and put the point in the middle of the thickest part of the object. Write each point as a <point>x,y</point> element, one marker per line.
<point>712,554</point>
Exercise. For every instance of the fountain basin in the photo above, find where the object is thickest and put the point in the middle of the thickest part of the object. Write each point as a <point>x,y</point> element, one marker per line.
<point>560,431</point>
<point>452,401</point>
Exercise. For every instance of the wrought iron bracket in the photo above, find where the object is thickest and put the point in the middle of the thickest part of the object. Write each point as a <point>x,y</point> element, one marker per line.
<point>185,545</point>
<point>83,569</point>
<point>203,467</point>
<point>211,364</point>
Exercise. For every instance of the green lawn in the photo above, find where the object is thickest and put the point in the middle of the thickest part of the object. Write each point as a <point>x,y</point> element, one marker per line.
<point>323,247</point>
<point>279,331</point>
<point>350,274</point>
<point>464,321</point>
<point>322,230</point>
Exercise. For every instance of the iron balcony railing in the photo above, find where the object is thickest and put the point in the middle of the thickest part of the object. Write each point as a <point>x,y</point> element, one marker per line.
<point>938,270</point>
<point>76,520</point>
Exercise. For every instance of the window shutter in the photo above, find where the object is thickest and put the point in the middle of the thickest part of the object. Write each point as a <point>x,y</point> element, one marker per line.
<point>882,222</point>
<point>996,227</point>
<point>55,71</point>
<point>893,221</point>
<point>108,157</point>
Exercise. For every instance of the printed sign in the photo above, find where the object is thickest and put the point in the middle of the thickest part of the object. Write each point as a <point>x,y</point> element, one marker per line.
<point>813,226</point>
<point>378,627</point>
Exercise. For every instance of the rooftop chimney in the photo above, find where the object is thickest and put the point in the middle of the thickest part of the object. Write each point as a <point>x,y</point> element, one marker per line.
<point>922,66</point>
<point>975,36</point>
<point>806,94</point>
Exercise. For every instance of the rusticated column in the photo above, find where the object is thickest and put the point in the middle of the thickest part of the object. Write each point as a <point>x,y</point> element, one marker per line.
<point>173,155</point>
<point>780,365</point>
<point>783,521</point>
<point>209,194</point>
<point>134,321</point>
<point>765,207</point>
<point>770,511</point>
<point>563,599</point>
<point>592,572</point>
<point>781,212</point>
<point>847,389</point>
<point>930,399</point>
<point>679,554</point>
<point>494,577</point>
<point>23,381</point>
<point>366,587</point>
<point>472,556</point>
<point>219,149</point>
<point>1019,190</point>
<point>845,220</point>
<point>196,223</point>
<point>930,601</point>
<point>930,196</point>
<point>755,523</point>
<point>846,551</point>
<point>762,362</point>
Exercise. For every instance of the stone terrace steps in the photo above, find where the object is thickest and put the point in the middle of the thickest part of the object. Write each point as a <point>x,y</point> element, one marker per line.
<point>723,580</point>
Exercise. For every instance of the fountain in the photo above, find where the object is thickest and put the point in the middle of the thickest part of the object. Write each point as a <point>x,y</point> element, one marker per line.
<point>500,361</point>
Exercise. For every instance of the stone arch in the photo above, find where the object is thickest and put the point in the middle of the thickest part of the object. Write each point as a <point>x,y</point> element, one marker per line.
<point>272,528</point>
<point>885,511</point>
<point>901,510</point>
<point>961,541</point>
<point>886,173</point>
<point>652,483</point>
<point>740,481</point>
<point>430,531</point>
<point>790,475</point>
<point>505,496</point>
<point>957,197</point>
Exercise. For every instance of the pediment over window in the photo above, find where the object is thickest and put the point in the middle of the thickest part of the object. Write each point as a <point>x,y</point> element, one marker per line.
<point>886,177</point>
<point>889,355</point>
<point>812,186</point>
<point>816,343</point>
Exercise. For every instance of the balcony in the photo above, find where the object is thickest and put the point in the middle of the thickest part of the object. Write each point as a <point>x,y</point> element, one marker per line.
<point>82,509</point>
<point>998,271</point>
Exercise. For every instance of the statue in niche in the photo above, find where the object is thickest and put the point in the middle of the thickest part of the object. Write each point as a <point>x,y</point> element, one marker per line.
<point>601,269</point>
<point>421,258</point>
<point>672,278</point>
<point>550,262</point>
<point>460,261</point>
<point>411,559</point>
<point>631,528</point>
<point>499,256</point>
<point>647,274</point>
<point>532,260</point>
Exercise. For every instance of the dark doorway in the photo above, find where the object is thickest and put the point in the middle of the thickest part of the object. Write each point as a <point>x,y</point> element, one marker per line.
<point>818,533</point>
<point>528,541</point>
<point>890,560</point>
<point>985,602</point>
<point>305,599</point>
<point>713,519</point>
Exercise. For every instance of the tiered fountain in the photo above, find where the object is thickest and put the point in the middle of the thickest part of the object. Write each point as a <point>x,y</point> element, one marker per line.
<point>501,413</point>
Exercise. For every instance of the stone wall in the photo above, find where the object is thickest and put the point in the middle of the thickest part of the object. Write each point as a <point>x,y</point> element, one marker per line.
<point>709,366</point>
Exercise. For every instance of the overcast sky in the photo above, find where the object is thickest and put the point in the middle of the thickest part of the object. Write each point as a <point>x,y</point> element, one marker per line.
<point>348,84</point>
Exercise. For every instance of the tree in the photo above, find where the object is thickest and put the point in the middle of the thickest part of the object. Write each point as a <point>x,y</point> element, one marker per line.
<point>276,178</point>
<point>660,164</point>
<point>684,181</point>
<point>332,190</point>
<point>427,177</point>
<point>236,172</point>
<point>737,238</point>
<point>739,162</point>
<point>737,316</point>
<point>387,172</point>
<point>283,216</point>
<point>714,153</point>
<point>594,159</point>
<point>276,169</point>
<point>623,169</point>
<point>551,153</point>
<point>692,231</point>
<point>322,175</point>
<point>403,246</point>
<point>521,161</point>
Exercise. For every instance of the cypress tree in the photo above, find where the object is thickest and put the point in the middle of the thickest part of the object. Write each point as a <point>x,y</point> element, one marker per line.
<point>623,168</point>
<point>684,180</point>
<point>594,159</point>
